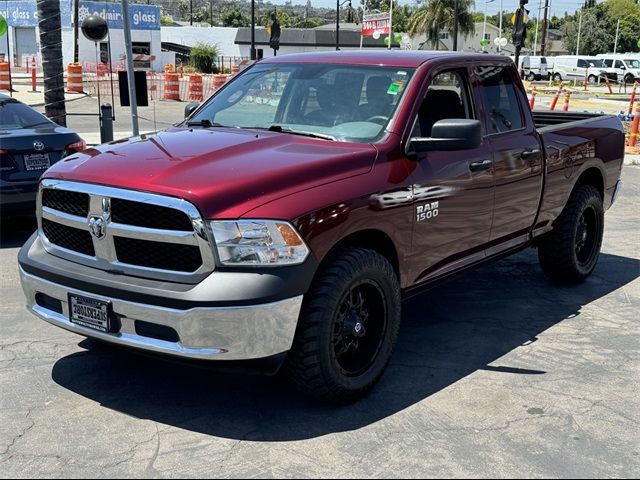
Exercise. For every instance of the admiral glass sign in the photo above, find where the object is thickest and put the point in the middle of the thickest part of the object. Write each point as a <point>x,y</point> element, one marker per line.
<point>25,14</point>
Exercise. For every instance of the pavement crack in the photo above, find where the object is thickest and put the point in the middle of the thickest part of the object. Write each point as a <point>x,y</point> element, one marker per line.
<point>13,441</point>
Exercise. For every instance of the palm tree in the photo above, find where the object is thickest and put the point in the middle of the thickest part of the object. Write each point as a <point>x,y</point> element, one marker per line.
<point>438,15</point>
<point>52,67</point>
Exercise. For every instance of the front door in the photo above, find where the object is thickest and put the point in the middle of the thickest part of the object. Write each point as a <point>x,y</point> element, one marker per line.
<point>452,190</point>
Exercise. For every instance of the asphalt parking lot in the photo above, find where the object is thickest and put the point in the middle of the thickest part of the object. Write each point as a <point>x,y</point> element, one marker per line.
<point>497,374</point>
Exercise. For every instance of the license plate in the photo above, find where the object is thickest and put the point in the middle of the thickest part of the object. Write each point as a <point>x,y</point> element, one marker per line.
<point>89,312</point>
<point>37,161</point>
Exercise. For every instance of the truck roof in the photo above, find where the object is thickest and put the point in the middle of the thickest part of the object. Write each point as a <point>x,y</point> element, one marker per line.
<point>389,58</point>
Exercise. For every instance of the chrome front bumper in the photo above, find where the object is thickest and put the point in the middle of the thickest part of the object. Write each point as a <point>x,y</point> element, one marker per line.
<point>216,333</point>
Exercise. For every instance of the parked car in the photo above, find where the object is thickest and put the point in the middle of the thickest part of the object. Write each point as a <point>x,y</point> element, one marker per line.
<point>574,67</point>
<point>29,144</point>
<point>626,67</point>
<point>534,67</point>
<point>283,222</point>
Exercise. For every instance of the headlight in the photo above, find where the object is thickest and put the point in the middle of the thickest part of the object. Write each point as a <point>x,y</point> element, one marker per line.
<point>258,242</point>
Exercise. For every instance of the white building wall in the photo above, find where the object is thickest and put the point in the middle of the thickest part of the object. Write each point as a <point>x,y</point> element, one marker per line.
<point>223,37</point>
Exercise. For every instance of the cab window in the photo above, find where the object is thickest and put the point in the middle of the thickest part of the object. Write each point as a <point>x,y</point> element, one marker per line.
<point>447,97</point>
<point>501,99</point>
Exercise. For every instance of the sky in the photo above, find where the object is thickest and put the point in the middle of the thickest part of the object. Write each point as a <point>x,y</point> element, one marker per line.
<point>557,7</point>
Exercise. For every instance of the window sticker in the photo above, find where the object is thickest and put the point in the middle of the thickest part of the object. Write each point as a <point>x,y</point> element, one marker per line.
<point>395,88</point>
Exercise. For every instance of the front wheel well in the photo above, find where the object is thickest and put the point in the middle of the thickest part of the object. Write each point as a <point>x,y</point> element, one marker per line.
<point>371,239</point>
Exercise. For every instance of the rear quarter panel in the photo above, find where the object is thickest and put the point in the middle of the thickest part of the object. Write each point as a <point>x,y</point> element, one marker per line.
<point>573,148</point>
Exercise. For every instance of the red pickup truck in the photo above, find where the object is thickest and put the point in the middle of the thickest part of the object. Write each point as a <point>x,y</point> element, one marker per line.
<point>284,221</point>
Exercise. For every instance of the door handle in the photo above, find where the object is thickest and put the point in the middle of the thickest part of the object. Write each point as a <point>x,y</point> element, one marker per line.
<point>480,166</point>
<point>529,153</point>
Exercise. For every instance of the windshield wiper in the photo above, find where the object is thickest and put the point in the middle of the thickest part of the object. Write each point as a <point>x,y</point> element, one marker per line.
<point>281,129</point>
<point>205,122</point>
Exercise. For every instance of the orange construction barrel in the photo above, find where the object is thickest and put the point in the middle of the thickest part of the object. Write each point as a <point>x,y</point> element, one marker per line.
<point>5,76</point>
<point>171,86</point>
<point>219,80</point>
<point>74,78</point>
<point>195,87</point>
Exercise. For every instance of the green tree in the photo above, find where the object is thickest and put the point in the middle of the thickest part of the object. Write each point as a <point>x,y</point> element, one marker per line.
<point>438,16</point>
<point>596,34</point>
<point>283,18</point>
<point>235,17</point>
<point>202,56</point>
<point>313,22</point>
<point>628,12</point>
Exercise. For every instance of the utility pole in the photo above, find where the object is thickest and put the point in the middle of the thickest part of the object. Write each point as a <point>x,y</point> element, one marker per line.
<point>190,12</point>
<point>131,80</point>
<point>76,20</point>
<point>543,44</point>
<point>456,13</point>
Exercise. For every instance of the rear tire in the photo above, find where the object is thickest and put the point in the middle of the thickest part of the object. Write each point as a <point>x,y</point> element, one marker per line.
<point>629,78</point>
<point>348,327</point>
<point>569,253</point>
<point>592,79</point>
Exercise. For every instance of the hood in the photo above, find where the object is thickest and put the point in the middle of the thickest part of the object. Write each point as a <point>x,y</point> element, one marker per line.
<point>225,172</point>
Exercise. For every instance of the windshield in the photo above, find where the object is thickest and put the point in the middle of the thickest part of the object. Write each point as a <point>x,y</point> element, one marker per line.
<point>15,115</point>
<point>340,102</point>
<point>632,62</point>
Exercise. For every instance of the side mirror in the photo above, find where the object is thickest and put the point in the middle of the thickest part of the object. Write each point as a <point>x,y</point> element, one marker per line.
<point>189,108</point>
<point>448,134</point>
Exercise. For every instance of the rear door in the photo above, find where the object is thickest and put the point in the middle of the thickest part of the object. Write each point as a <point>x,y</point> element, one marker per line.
<point>517,156</point>
<point>452,190</point>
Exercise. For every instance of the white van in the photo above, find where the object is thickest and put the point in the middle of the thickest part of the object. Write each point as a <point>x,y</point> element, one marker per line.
<point>627,66</point>
<point>534,67</point>
<point>577,67</point>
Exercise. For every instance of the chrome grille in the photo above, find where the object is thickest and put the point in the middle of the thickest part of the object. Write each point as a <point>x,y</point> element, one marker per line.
<point>136,233</point>
<point>75,203</point>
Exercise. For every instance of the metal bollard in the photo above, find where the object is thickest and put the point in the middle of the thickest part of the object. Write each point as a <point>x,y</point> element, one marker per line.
<point>106,123</point>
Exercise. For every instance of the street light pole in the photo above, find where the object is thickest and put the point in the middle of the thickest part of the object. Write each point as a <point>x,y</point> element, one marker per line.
<point>130,72</point>
<point>579,30</point>
<point>337,24</point>
<point>615,45</point>
<point>252,54</point>
<point>499,47</point>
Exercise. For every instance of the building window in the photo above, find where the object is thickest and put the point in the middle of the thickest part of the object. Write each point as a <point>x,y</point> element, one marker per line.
<point>487,36</point>
<point>444,36</point>
<point>104,52</point>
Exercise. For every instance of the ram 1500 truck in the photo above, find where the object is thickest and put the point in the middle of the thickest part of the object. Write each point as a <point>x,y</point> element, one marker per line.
<point>280,226</point>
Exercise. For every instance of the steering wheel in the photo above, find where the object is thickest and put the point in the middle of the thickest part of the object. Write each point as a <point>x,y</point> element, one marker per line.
<point>381,119</point>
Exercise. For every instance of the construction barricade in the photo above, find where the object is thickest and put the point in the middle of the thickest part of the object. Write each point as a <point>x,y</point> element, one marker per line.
<point>171,86</point>
<point>74,78</point>
<point>195,87</point>
<point>5,76</point>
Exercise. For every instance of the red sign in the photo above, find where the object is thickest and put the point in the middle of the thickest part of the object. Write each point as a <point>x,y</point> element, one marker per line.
<point>374,25</point>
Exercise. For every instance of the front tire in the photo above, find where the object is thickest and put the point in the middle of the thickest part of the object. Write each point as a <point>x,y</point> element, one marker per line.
<point>348,327</point>
<point>569,253</point>
<point>557,77</point>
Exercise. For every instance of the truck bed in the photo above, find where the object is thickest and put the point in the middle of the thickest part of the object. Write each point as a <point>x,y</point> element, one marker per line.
<point>549,119</point>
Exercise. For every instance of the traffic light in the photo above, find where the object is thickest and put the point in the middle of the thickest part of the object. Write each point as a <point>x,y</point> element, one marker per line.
<point>274,37</point>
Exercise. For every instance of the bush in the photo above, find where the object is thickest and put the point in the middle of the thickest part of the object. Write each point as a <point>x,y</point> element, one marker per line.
<point>202,57</point>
